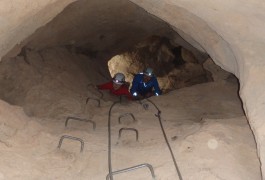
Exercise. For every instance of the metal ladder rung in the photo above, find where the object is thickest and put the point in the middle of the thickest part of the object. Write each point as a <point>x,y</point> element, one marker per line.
<point>72,138</point>
<point>80,119</point>
<point>150,167</point>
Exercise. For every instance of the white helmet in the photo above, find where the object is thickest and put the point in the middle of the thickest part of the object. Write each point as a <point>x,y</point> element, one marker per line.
<point>119,78</point>
<point>148,72</point>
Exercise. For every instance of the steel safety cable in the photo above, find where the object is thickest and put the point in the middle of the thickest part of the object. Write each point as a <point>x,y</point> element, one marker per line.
<point>109,140</point>
<point>158,115</point>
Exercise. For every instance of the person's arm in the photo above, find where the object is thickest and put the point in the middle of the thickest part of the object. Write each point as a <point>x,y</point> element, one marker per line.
<point>107,85</point>
<point>157,90</point>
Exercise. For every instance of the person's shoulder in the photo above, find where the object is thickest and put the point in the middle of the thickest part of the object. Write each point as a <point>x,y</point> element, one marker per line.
<point>139,75</point>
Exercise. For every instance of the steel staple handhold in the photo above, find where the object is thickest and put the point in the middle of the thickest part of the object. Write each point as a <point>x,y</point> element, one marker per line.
<point>80,119</point>
<point>150,167</point>
<point>73,138</point>
<point>144,105</point>
<point>129,129</point>
<point>126,114</point>
<point>95,99</point>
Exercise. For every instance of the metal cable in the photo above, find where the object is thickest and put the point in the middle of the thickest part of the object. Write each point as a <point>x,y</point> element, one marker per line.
<point>166,139</point>
<point>109,144</point>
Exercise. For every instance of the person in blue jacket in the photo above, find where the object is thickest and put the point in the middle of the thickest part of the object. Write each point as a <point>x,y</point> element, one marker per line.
<point>145,85</point>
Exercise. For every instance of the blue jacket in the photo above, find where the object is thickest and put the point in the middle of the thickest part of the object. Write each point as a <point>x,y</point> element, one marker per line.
<point>139,87</point>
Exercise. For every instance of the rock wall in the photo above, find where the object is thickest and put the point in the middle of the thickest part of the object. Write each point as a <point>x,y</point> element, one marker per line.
<point>174,67</point>
<point>231,32</point>
<point>20,19</point>
<point>49,83</point>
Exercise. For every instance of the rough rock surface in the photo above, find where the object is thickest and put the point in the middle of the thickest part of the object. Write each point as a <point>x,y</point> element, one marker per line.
<point>174,67</point>
<point>211,139</point>
<point>236,43</point>
<point>205,124</point>
<point>20,19</point>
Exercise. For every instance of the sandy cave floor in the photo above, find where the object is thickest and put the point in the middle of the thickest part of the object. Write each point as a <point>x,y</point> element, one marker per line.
<point>205,125</point>
<point>207,130</point>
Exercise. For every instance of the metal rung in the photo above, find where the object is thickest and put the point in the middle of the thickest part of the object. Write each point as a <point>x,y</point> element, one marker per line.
<point>144,105</point>
<point>132,169</point>
<point>126,114</point>
<point>92,85</point>
<point>80,119</point>
<point>73,138</point>
<point>95,99</point>
<point>129,129</point>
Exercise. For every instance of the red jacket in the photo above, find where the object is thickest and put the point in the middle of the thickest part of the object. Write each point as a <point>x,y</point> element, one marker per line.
<point>123,90</point>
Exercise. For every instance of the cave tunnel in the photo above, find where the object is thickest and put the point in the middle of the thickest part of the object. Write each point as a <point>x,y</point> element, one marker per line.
<point>48,79</point>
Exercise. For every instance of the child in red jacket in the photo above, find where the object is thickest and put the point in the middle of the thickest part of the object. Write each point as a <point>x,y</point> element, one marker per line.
<point>117,86</point>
